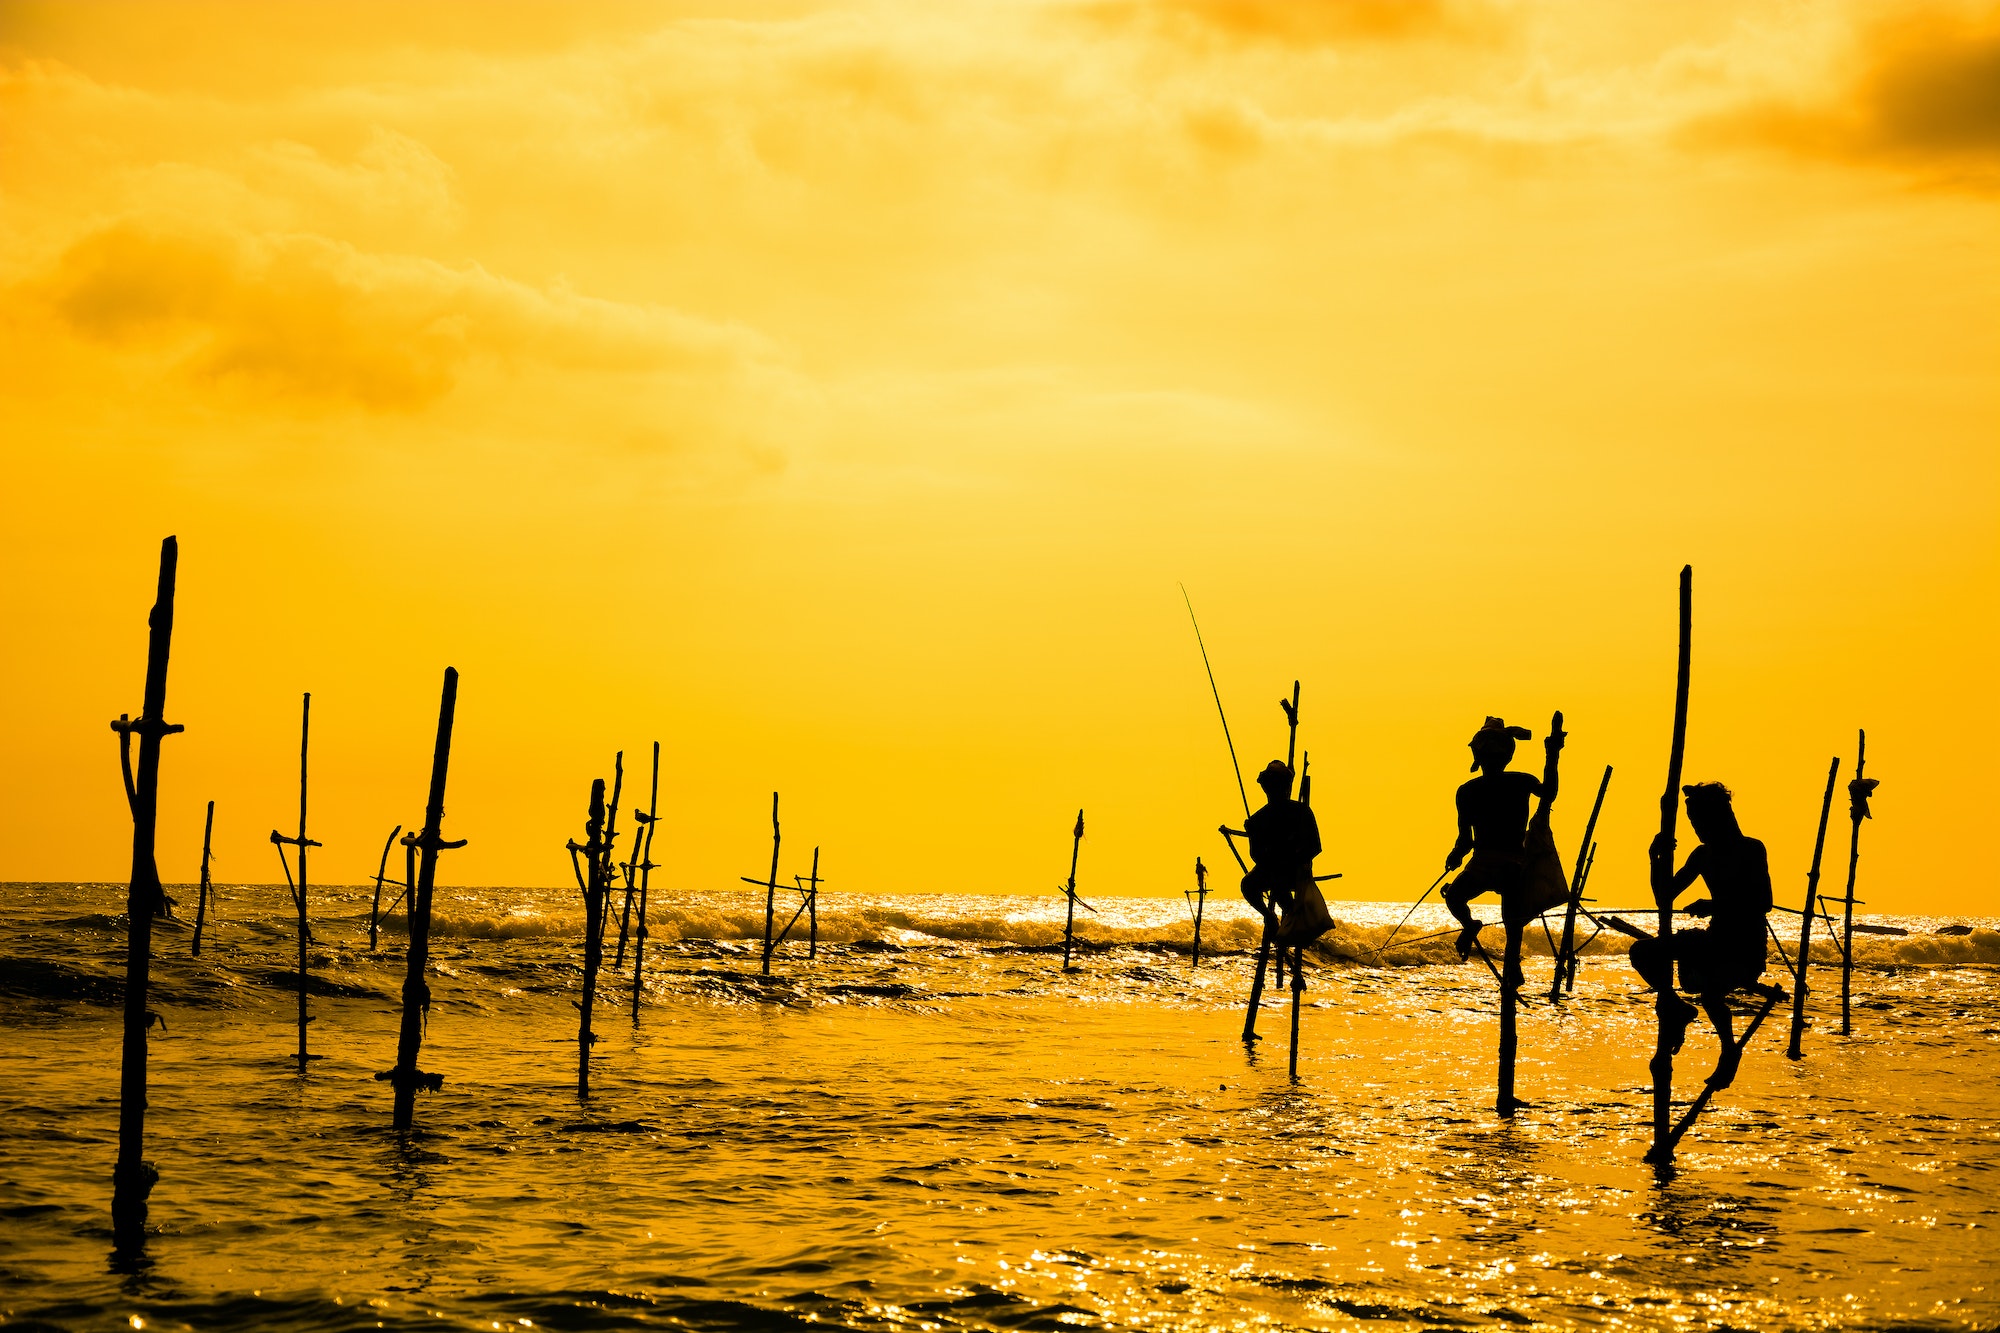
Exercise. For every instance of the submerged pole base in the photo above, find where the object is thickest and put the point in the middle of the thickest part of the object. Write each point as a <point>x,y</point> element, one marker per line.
<point>130,1187</point>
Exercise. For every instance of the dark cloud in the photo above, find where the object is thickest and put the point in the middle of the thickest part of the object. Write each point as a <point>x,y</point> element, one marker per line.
<point>1924,91</point>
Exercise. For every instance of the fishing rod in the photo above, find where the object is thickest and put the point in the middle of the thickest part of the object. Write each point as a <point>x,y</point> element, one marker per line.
<point>1412,912</point>
<point>1241,791</point>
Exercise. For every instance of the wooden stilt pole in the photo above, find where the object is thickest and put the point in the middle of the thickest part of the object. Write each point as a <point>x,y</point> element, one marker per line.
<point>609,854</point>
<point>590,879</point>
<point>1794,1051</point>
<point>631,869</point>
<point>1565,977</point>
<point>1298,996</point>
<point>302,842</point>
<point>201,902</point>
<point>1662,1151</point>
<point>644,856</point>
<point>1504,1103</point>
<point>812,909</point>
<point>1583,882</point>
<point>1771,995</point>
<point>132,1178</point>
<point>1858,792</point>
<point>1069,890</point>
<point>406,1077</point>
<point>381,875</point>
<point>1200,896</point>
<point>771,886</point>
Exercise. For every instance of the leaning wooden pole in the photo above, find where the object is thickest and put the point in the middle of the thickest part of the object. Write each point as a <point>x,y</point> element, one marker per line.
<point>1565,977</point>
<point>132,1178</point>
<point>587,861</point>
<point>302,842</point>
<point>201,902</point>
<point>1794,1051</point>
<point>406,1077</point>
<point>1858,792</point>
<point>381,873</point>
<point>1662,1150</point>
<point>642,853</point>
<point>1069,892</point>
<point>771,885</point>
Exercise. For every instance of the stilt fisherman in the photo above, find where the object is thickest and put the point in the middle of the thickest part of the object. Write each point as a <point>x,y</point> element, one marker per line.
<point>1511,855</point>
<point>1284,839</point>
<point>1729,953</point>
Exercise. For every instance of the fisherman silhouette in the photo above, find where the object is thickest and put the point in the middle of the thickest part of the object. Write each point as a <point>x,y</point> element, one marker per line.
<point>1284,839</point>
<point>1729,953</point>
<point>1493,827</point>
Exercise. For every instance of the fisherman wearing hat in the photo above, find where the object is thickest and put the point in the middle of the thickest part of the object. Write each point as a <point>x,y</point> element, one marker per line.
<point>1284,839</point>
<point>1493,825</point>
<point>1727,954</point>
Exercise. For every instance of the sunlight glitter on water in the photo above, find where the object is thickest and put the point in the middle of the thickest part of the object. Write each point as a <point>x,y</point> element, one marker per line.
<point>959,1136</point>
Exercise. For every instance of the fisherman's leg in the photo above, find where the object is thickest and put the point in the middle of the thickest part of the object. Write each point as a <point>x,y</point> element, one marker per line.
<point>1653,960</point>
<point>1716,1005</point>
<point>1512,977</point>
<point>1458,896</point>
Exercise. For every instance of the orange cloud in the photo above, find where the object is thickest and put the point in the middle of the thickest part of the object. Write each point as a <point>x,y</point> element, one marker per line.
<point>1309,22</point>
<point>317,320</point>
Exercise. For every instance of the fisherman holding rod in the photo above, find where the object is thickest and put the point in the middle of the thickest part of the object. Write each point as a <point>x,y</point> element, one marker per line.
<point>1284,839</point>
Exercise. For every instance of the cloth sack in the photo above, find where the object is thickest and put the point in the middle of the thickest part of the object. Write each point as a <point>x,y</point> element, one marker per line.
<point>1308,918</point>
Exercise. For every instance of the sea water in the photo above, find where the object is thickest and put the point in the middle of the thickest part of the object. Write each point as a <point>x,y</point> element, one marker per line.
<point>931,1125</point>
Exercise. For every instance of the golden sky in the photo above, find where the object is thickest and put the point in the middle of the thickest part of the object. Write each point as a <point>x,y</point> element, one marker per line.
<point>838,393</point>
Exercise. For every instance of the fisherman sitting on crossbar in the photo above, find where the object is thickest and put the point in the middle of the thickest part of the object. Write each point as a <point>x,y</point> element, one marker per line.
<point>1493,825</point>
<point>1728,954</point>
<point>1284,839</point>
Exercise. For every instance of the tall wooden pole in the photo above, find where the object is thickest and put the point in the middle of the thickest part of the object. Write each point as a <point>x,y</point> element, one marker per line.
<point>1566,954</point>
<point>812,909</point>
<point>302,842</point>
<point>609,853</point>
<point>644,856</point>
<point>201,902</point>
<point>1670,804</point>
<point>406,1077</point>
<point>1298,997</point>
<point>1858,792</point>
<point>1069,892</point>
<point>132,1178</point>
<point>771,885</point>
<point>1794,1051</point>
<point>590,879</point>
<point>1200,902</point>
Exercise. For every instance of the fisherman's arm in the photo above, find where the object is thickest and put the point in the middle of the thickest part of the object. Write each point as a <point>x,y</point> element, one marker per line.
<point>1552,746</point>
<point>1464,843</point>
<point>1667,885</point>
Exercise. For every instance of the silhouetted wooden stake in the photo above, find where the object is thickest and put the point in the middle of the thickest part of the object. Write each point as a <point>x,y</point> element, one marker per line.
<point>201,903</point>
<point>406,1077</point>
<point>1662,1065</point>
<point>644,856</point>
<point>1793,1051</point>
<point>1509,971</point>
<point>812,909</point>
<point>1298,995</point>
<point>1565,977</point>
<point>631,869</point>
<point>590,879</point>
<point>302,842</point>
<point>771,885</point>
<point>1200,896</point>
<point>1583,883</point>
<point>610,852</point>
<point>381,874</point>
<point>1069,890</point>
<point>1229,836</point>
<point>132,1178</point>
<point>1858,792</point>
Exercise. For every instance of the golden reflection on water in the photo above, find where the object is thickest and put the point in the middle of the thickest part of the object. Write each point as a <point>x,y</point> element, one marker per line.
<point>961,1137</point>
